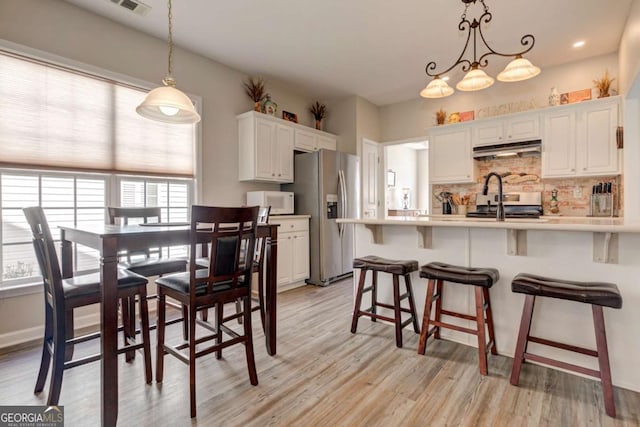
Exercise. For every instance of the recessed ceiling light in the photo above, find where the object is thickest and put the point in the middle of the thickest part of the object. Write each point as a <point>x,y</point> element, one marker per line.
<point>445,78</point>
<point>579,43</point>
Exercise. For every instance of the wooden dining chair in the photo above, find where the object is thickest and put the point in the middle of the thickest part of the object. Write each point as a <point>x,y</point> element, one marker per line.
<point>62,296</point>
<point>231,234</point>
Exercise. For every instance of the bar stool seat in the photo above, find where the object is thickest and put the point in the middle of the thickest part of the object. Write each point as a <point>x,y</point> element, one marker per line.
<point>481,279</point>
<point>598,294</point>
<point>396,268</point>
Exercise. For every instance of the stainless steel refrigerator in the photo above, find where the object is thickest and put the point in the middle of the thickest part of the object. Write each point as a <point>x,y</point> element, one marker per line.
<point>327,187</point>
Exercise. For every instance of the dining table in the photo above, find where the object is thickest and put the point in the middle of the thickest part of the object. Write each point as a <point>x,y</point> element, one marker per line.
<point>109,240</point>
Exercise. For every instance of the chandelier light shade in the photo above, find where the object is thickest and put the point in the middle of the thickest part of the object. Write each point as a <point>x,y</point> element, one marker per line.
<point>437,88</point>
<point>166,103</point>
<point>475,78</point>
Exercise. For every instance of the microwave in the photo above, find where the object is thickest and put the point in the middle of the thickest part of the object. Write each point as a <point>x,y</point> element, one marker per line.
<point>281,202</point>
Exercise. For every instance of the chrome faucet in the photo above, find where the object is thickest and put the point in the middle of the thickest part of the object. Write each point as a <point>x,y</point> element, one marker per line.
<point>485,190</point>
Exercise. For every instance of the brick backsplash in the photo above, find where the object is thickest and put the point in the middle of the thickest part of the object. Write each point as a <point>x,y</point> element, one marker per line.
<point>573,193</point>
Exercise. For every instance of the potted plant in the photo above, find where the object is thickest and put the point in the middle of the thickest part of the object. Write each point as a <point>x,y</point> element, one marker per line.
<point>254,88</point>
<point>603,84</point>
<point>441,115</point>
<point>319,112</point>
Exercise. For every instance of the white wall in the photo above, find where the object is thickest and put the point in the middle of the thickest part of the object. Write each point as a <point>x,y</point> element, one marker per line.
<point>629,57</point>
<point>403,161</point>
<point>424,195</point>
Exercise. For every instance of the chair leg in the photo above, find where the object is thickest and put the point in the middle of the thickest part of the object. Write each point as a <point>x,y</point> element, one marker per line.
<point>192,361</point>
<point>523,338</point>
<point>425,317</point>
<point>356,308</point>
<point>219,316</point>
<point>55,384</point>
<point>261,295</point>
<point>248,344</point>
<point>160,325</point>
<point>69,333</point>
<point>204,314</point>
<point>412,305</point>
<point>603,360</point>
<point>128,325</point>
<point>45,360</point>
<point>396,309</point>
<point>239,310</point>
<point>492,335</point>
<point>146,341</point>
<point>374,294</point>
<point>482,339</point>
<point>185,322</point>
<point>438,315</point>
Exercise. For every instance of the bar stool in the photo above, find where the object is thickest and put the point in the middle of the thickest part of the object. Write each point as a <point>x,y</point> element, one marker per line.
<point>396,268</point>
<point>481,279</point>
<point>598,294</point>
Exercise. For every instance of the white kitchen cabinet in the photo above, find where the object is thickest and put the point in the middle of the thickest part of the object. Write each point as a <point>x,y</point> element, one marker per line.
<point>450,156</point>
<point>265,149</point>
<point>580,140</point>
<point>520,127</point>
<point>308,140</point>
<point>293,251</point>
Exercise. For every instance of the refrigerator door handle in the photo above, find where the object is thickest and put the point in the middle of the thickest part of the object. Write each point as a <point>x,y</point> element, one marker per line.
<point>343,194</point>
<point>340,204</point>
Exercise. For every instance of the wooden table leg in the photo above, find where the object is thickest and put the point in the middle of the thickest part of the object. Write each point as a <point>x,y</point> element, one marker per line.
<point>270,315</point>
<point>109,329</point>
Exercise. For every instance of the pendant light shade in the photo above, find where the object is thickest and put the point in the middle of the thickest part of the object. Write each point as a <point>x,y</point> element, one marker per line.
<point>169,105</point>
<point>166,103</point>
<point>437,88</point>
<point>517,70</point>
<point>475,79</point>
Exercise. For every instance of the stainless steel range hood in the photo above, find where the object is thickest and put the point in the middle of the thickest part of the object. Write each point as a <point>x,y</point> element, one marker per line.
<point>510,149</point>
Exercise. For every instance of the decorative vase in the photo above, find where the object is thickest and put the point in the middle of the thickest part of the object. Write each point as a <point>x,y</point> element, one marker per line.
<point>318,124</point>
<point>554,97</point>
<point>257,107</point>
<point>269,106</point>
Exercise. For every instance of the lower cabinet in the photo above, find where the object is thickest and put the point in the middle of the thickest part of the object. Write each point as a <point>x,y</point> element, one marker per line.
<point>293,251</point>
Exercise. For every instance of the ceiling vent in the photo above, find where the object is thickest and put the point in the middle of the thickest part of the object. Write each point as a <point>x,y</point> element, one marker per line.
<point>135,6</point>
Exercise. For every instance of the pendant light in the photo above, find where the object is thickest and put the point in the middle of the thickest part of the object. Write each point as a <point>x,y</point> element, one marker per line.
<point>475,78</point>
<point>166,103</point>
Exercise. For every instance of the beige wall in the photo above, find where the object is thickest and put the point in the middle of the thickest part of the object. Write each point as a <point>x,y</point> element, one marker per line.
<point>629,47</point>
<point>411,119</point>
<point>342,122</point>
<point>367,121</point>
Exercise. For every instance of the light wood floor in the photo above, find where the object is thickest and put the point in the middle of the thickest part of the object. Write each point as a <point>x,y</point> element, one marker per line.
<point>325,376</point>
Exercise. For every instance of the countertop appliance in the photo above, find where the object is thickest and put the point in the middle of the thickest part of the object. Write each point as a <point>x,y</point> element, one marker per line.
<point>516,205</point>
<point>281,202</point>
<point>327,186</point>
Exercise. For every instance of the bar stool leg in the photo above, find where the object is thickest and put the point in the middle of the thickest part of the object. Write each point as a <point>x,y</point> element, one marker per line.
<point>523,338</point>
<point>492,335</point>
<point>396,309</point>
<point>603,360</point>
<point>482,339</point>
<point>436,334</point>
<point>412,305</point>
<point>424,333</point>
<point>374,294</point>
<point>356,308</point>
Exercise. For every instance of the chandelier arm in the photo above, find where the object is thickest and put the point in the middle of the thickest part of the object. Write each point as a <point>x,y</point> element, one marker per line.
<point>466,64</point>
<point>170,42</point>
<point>524,41</point>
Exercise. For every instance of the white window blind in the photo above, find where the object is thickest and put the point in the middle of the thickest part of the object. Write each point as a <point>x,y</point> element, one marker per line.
<point>57,118</point>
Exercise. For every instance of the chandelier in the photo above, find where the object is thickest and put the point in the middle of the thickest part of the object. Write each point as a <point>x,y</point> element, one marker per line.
<point>166,103</point>
<point>475,78</point>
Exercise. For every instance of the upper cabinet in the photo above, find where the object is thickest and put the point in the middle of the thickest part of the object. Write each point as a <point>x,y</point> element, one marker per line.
<point>580,139</point>
<point>313,140</point>
<point>519,127</point>
<point>450,155</point>
<point>265,149</point>
<point>266,145</point>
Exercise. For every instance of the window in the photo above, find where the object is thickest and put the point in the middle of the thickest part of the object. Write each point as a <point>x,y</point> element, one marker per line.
<point>72,143</point>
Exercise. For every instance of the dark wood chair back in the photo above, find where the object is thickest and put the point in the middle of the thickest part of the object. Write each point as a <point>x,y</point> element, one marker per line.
<point>46,255</point>
<point>149,215</point>
<point>263,218</point>
<point>231,235</point>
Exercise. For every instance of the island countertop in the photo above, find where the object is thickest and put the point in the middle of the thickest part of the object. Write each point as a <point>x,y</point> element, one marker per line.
<point>558,223</point>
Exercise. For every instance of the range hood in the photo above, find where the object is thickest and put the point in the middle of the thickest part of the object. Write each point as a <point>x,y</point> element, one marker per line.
<point>510,149</point>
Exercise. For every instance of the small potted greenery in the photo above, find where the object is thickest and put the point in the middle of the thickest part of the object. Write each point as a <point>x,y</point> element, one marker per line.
<point>319,112</point>
<point>441,115</point>
<point>603,84</point>
<point>255,89</point>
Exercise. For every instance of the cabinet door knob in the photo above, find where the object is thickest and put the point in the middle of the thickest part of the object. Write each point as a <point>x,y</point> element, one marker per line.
<point>273,174</point>
<point>572,170</point>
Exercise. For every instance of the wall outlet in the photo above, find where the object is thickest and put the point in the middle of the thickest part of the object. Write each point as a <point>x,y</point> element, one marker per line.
<point>577,191</point>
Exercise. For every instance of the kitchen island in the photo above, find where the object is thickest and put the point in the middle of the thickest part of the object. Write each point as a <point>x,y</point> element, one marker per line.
<point>586,249</point>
